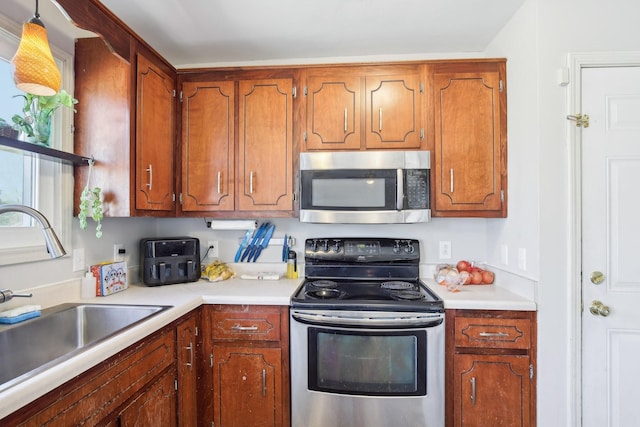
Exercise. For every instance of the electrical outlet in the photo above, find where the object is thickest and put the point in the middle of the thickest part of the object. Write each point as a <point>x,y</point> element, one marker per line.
<point>522,259</point>
<point>504,254</point>
<point>78,259</point>
<point>212,246</point>
<point>117,256</point>
<point>445,249</point>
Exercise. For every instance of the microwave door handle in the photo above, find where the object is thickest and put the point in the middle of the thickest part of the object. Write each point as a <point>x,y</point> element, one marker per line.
<point>400,190</point>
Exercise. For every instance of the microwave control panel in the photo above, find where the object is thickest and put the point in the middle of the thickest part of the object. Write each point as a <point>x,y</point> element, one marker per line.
<point>416,188</point>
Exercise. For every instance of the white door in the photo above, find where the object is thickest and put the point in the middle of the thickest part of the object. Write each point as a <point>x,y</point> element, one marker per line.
<point>611,245</point>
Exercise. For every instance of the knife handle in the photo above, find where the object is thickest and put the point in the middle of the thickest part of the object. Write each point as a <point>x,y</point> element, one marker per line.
<point>246,253</point>
<point>257,254</point>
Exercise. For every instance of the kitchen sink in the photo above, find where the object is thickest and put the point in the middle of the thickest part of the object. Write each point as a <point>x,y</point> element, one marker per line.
<point>62,332</point>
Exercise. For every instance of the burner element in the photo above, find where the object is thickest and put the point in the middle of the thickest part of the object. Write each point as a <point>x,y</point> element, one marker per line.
<point>396,285</point>
<point>406,295</point>
<point>327,293</point>
<point>324,284</point>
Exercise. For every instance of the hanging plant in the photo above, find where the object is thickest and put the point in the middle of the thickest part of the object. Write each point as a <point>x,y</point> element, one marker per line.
<point>90,201</point>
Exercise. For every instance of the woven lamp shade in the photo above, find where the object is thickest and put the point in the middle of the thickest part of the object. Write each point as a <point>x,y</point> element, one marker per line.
<point>34,69</point>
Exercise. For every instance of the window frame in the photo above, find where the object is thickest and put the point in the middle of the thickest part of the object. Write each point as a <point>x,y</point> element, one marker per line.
<point>54,189</point>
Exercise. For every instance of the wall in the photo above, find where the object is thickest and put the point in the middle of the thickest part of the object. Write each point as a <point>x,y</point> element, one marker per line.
<point>536,42</point>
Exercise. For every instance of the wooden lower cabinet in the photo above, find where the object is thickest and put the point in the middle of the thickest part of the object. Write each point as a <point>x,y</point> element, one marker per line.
<point>491,368</point>
<point>156,406</point>
<point>247,387</point>
<point>247,383</point>
<point>136,387</point>
<point>186,353</point>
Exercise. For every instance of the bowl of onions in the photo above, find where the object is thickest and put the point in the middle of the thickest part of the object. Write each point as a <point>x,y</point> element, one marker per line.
<point>449,276</point>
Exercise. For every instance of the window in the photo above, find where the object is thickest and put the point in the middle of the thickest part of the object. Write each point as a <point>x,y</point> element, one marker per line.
<point>25,179</point>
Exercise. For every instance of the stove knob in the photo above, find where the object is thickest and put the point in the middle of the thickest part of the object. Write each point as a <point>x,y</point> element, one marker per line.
<point>325,245</point>
<point>409,248</point>
<point>336,246</point>
<point>314,246</point>
<point>396,247</point>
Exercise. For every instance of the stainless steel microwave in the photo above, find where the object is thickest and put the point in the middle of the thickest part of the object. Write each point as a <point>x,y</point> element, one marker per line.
<point>365,187</point>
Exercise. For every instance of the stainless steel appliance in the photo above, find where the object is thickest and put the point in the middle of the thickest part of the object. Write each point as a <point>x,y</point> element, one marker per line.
<point>367,337</point>
<point>169,260</point>
<point>365,187</point>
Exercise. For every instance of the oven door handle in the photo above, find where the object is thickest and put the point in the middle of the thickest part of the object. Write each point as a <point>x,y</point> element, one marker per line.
<point>398,321</point>
<point>400,190</point>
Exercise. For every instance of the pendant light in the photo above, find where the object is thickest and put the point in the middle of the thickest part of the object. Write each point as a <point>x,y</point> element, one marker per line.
<point>34,69</point>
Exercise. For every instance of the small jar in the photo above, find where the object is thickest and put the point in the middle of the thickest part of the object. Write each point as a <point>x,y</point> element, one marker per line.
<point>292,265</point>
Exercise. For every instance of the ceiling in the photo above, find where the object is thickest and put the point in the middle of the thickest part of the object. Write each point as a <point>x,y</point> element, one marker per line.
<point>207,32</point>
<point>197,33</point>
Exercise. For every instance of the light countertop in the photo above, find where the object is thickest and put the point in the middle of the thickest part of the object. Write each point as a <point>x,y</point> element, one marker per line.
<point>481,297</point>
<point>185,297</point>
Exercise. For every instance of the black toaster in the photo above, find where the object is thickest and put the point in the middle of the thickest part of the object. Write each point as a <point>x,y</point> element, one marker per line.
<point>170,260</point>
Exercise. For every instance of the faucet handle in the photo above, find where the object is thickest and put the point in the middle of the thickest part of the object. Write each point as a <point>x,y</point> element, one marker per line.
<point>7,295</point>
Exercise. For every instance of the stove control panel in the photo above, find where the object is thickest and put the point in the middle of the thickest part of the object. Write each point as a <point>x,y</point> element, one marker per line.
<point>361,249</point>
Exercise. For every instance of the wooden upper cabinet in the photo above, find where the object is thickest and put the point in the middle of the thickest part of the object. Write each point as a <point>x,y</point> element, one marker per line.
<point>360,108</point>
<point>208,161</point>
<point>470,140</point>
<point>103,85</point>
<point>333,112</point>
<point>155,119</point>
<point>394,113</point>
<point>265,148</point>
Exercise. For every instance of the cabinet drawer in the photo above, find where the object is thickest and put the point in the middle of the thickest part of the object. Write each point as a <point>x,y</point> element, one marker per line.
<point>250,325</point>
<point>492,333</point>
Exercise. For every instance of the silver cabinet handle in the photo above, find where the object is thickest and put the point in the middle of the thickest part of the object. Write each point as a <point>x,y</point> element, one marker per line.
<point>251,182</point>
<point>380,118</point>
<point>451,179</point>
<point>399,190</point>
<point>244,328</point>
<point>473,390</point>
<point>264,383</point>
<point>345,120</point>
<point>219,176</point>
<point>493,334</point>
<point>190,362</point>
<point>150,183</point>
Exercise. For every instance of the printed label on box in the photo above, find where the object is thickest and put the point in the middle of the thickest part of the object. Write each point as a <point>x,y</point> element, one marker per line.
<point>110,277</point>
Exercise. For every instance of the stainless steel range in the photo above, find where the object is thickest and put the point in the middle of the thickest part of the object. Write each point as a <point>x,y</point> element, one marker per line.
<point>367,337</point>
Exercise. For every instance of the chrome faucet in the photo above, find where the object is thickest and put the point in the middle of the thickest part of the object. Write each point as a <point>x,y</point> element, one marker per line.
<point>54,247</point>
<point>7,295</point>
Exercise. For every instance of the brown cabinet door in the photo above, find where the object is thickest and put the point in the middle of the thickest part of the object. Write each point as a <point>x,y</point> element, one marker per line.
<point>208,172</point>
<point>265,145</point>
<point>247,386</point>
<point>154,138</point>
<point>103,125</point>
<point>333,113</point>
<point>155,406</point>
<point>394,111</point>
<point>187,375</point>
<point>470,149</point>
<point>491,390</point>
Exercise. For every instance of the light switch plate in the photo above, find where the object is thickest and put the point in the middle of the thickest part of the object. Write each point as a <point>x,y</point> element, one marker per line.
<point>78,259</point>
<point>445,249</point>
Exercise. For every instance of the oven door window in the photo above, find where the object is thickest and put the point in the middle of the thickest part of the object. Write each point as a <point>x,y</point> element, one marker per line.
<point>389,363</point>
<point>350,190</point>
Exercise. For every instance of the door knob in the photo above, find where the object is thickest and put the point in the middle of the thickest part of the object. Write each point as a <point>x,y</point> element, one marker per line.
<point>597,277</point>
<point>599,309</point>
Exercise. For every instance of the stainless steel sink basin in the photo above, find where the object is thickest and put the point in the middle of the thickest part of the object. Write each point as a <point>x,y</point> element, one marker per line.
<point>60,333</point>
